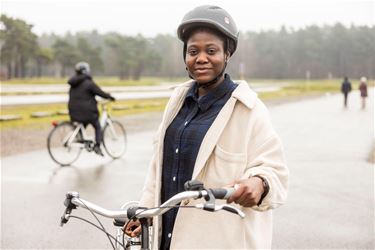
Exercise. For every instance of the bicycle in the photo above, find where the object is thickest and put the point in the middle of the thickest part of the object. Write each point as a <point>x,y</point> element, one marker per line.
<point>67,139</point>
<point>130,211</point>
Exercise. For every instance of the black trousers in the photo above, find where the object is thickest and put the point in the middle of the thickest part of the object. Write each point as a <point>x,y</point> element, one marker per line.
<point>98,132</point>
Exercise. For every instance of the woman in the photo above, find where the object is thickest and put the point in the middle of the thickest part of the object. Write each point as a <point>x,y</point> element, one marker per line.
<point>363,90</point>
<point>218,132</point>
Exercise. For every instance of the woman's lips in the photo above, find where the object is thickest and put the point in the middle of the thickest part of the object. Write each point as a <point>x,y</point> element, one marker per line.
<point>202,70</point>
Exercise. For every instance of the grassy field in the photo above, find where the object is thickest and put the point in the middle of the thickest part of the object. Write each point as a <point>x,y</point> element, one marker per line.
<point>305,88</point>
<point>102,81</point>
<point>118,109</point>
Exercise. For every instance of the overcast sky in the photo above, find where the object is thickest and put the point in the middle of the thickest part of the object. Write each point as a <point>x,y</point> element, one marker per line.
<point>163,16</point>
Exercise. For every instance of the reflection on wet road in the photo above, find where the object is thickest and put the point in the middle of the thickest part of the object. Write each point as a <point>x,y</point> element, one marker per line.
<point>34,187</point>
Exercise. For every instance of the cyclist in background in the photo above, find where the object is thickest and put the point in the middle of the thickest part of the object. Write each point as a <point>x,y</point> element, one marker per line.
<point>82,103</point>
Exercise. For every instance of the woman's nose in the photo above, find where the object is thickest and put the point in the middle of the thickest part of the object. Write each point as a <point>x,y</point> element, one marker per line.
<point>202,58</point>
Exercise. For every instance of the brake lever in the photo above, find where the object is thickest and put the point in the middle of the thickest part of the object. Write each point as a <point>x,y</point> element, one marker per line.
<point>225,207</point>
<point>232,209</point>
<point>65,217</point>
<point>69,206</point>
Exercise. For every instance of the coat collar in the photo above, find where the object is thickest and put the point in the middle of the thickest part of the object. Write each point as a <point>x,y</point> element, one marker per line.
<point>245,94</point>
<point>242,93</point>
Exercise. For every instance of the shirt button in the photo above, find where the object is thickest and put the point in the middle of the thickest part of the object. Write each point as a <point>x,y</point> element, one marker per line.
<point>169,235</point>
<point>186,123</point>
<point>174,178</point>
<point>176,150</point>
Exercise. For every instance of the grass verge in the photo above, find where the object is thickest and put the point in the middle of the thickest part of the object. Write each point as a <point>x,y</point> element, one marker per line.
<point>102,81</point>
<point>131,107</point>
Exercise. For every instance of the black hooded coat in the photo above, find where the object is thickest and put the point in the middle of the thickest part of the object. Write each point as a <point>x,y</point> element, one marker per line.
<point>82,103</point>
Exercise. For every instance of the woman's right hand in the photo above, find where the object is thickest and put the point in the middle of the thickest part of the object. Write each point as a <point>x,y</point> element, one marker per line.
<point>133,228</point>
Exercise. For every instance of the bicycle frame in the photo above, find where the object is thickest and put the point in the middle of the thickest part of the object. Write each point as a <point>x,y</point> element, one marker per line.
<point>80,128</point>
<point>105,119</point>
<point>69,140</point>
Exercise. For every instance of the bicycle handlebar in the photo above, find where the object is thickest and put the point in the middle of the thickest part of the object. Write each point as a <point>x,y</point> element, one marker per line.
<point>73,200</point>
<point>104,101</point>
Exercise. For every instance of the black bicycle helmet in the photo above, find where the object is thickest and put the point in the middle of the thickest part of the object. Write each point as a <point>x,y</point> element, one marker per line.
<point>212,17</point>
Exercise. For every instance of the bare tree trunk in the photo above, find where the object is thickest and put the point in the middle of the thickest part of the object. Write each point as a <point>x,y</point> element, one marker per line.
<point>16,69</point>
<point>57,69</point>
<point>138,71</point>
<point>62,72</point>
<point>22,67</point>
<point>38,69</point>
<point>9,70</point>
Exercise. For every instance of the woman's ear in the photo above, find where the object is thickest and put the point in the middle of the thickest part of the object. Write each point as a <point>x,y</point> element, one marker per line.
<point>227,56</point>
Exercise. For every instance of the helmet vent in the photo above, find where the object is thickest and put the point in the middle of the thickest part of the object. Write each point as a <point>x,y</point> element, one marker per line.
<point>214,8</point>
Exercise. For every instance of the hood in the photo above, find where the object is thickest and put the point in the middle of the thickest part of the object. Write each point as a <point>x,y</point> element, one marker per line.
<point>78,79</point>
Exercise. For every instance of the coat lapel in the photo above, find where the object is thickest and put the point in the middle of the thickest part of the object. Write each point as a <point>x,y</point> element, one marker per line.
<point>242,94</point>
<point>173,108</point>
<point>212,136</point>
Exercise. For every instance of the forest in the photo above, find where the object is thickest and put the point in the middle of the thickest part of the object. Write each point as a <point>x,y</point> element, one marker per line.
<point>311,52</point>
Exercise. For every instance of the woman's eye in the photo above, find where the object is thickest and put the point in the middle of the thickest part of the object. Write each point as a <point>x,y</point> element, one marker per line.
<point>192,52</point>
<point>211,51</point>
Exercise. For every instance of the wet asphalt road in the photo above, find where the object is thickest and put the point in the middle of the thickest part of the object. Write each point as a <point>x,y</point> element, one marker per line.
<point>330,203</point>
<point>34,187</point>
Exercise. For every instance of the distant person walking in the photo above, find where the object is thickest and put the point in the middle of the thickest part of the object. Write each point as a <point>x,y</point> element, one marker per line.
<point>363,90</point>
<point>82,103</point>
<point>346,87</point>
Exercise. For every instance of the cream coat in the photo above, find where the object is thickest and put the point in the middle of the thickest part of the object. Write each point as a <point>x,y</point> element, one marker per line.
<point>240,143</point>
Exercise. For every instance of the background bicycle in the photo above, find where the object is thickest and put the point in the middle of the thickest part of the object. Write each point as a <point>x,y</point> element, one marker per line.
<point>67,139</point>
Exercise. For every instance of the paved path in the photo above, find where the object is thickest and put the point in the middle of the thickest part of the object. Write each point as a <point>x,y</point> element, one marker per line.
<point>57,93</point>
<point>331,198</point>
<point>8,100</point>
<point>330,204</point>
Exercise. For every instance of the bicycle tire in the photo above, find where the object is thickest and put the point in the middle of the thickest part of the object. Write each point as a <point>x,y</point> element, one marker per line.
<point>115,142</point>
<point>60,153</point>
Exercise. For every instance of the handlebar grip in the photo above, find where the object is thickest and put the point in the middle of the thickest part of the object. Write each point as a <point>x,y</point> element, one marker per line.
<point>222,193</point>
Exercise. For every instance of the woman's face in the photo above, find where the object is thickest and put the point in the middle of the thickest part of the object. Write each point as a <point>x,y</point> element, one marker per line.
<point>205,56</point>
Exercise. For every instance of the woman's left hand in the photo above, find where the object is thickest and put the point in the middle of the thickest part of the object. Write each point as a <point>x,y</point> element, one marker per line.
<point>248,192</point>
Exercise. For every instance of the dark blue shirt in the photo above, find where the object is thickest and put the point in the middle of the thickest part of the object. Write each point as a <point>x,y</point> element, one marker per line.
<point>182,142</point>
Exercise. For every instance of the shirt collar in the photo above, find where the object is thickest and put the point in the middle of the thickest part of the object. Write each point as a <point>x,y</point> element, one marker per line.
<point>211,97</point>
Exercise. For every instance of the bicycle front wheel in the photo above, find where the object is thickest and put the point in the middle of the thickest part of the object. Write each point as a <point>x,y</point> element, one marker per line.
<point>58,147</point>
<point>114,139</point>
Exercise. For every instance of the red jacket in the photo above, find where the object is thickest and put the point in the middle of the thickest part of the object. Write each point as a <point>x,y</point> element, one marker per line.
<point>363,89</point>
